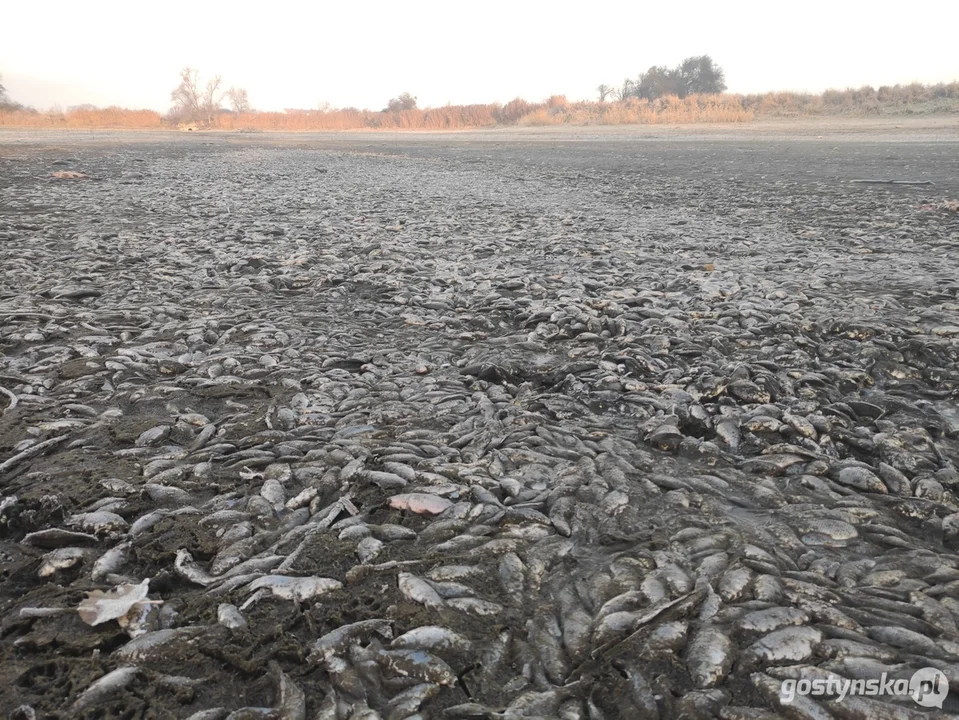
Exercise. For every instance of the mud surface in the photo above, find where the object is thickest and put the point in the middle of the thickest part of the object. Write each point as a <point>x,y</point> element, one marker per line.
<point>593,347</point>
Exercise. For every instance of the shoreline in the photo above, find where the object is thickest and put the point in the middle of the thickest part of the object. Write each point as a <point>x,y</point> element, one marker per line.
<point>936,128</point>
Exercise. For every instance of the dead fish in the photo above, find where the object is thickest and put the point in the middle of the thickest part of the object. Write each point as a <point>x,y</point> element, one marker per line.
<point>337,640</point>
<point>801,425</point>
<point>908,640</point>
<point>61,559</point>
<point>471,710</point>
<point>512,574</point>
<point>212,714</point>
<point>254,713</point>
<point>767,588</point>
<point>229,616</point>
<point>616,625</point>
<point>291,704</point>
<point>709,657</point>
<point>111,561</point>
<point>384,479</point>
<point>154,436</point>
<point>302,499</point>
<point>388,532</point>
<point>668,637</point>
<point>789,644</point>
<point>166,495</point>
<point>298,589</point>
<point>769,619</point>
<point>272,491</point>
<point>475,606</point>
<point>748,391</point>
<point>799,706</point>
<point>222,518</point>
<point>894,480</point>
<point>416,664</point>
<point>187,568</point>
<point>408,702</point>
<point>624,602</point>
<point>434,639</point>
<point>452,572</point>
<point>109,684</point>
<point>734,584</point>
<point>418,590</point>
<point>821,531</point>
<point>728,431</point>
<point>368,549</point>
<point>143,646</point>
<point>861,479</point>
<point>145,522</point>
<point>420,503</point>
<point>53,538</point>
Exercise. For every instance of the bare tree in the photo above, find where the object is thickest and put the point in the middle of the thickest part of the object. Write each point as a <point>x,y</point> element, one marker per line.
<point>604,92</point>
<point>625,91</point>
<point>196,105</point>
<point>186,96</point>
<point>239,100</point>
<point>7,104</point>
<point>212,98</point>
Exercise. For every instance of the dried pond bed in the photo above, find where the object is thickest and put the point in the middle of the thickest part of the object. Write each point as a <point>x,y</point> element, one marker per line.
<point>649,388</point>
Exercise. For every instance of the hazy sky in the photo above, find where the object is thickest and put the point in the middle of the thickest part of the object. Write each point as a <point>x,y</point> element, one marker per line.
<point>289,54</point>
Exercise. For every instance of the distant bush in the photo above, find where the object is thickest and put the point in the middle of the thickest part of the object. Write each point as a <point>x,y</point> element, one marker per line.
<point>402,103</point>
<point>512,111</point>
<point>698,75</point>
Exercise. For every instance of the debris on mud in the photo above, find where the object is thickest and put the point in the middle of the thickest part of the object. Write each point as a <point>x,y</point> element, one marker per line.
<point>100,607</point>
<point>68,175</point>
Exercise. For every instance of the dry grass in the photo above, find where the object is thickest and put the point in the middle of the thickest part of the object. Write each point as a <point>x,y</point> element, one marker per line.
<point>915,98</point>
<point>445,118</point>
<point>556,110</point>
<point>666,110</point>
<point>112,117</point>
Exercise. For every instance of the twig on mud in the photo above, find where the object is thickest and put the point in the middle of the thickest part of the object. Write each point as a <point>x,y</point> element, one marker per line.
<point>88,326</point>
<point>34,315</point>
<point>15,378</point>
<point>358,572</point>
<point>31,451</point>
<point>601,655</point>
<point>43,612</point>
<point>893,182</point>
<point>247,667</point>
<point>13,399</point>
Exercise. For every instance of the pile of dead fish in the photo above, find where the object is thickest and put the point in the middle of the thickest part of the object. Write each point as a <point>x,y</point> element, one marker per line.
<point>375,443</point>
